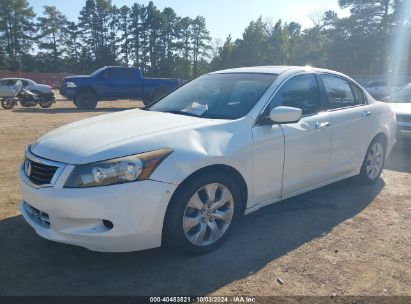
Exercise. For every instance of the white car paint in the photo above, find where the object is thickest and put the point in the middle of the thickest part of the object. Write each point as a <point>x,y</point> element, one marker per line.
<point>403,113</point>
<point>400,103</point>
<point>275,161</point>
<point>29,85</point>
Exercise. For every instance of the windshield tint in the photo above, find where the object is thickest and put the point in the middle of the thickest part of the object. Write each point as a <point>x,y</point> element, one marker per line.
<point>401,96</point>
<point>226,96</point>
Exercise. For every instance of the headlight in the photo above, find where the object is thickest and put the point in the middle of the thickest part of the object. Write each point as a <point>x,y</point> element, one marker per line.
<point>117,171</point>
<point>71,85</point>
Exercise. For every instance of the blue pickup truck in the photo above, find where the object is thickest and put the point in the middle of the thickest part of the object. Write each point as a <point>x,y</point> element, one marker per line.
<point>113,83</point>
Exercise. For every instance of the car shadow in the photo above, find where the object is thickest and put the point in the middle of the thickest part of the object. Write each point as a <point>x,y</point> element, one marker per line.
<point>400,157</point>
<point>68,110</point>
<point>33,266</point>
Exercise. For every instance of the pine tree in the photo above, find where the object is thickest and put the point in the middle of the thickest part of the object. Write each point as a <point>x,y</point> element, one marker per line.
<point>51,27</point>
<point>16,30</point>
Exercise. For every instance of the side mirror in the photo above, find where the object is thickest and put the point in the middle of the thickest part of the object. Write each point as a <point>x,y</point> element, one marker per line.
<point>386,98</point>
<point>284,115</point>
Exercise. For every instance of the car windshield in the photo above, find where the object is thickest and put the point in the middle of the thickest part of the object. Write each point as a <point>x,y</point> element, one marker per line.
<point>401,96</point>
<point>225,96</point>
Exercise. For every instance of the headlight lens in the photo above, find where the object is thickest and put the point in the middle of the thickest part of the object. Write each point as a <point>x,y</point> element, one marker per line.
<point>71,84</point>
<point>117,171</point>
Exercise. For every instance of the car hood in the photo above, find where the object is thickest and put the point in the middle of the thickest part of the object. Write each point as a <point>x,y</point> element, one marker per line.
<point>108,136</point>
<point>77,78</point>
<point>401,108</point>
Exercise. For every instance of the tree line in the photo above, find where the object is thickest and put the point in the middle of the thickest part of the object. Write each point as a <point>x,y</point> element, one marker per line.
<point>164,44</point>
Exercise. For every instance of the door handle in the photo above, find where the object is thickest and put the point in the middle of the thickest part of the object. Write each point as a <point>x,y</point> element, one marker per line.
<point>365,113</point>
<point>320,125</point>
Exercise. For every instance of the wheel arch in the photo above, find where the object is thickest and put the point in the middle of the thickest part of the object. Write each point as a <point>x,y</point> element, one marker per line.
<point>384,140</point>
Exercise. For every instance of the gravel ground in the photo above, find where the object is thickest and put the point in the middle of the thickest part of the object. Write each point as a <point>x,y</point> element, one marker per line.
<point>344,239</point>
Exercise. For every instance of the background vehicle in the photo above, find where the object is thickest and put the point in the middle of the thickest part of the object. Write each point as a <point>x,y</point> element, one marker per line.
<point>378,89</point>
<point>187,167</point>
<point>111,83</point>
<point>16,92</point>
<point>44,92</point>
<point>400,103</point>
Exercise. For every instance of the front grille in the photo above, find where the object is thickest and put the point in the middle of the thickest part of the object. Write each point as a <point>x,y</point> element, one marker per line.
<point>404,118</point>
<point>39,174</point>
<point>36,215</point>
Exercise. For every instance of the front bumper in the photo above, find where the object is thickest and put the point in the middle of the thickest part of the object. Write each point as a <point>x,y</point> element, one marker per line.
<point>69,93</point>
<point>75,216</point>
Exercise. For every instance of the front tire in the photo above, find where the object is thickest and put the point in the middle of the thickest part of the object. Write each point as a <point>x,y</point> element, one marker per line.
<point>46,105</point>
<point>86,101</point>
<point>373,163</point>
<point>202,215</point>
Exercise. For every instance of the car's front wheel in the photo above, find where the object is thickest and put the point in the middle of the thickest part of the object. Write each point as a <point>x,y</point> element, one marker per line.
<point>86,101</point>
<point>373,163</point>
<point>203,213</point>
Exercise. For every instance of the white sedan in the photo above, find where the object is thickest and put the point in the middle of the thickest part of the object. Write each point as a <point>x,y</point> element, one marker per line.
<point>185,169</point>
<point>400,103</point>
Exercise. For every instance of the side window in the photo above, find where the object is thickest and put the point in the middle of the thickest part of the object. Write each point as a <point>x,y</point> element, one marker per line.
<point>129,74</point>
<point>339,92</point>
<point>299,92</point>
<point>358,94</point>
<point>121,74</point>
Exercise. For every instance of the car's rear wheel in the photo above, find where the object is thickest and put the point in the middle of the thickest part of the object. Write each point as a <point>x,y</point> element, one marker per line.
<point>373,163</point>
<point>202,215</point>
<point>86,101</point>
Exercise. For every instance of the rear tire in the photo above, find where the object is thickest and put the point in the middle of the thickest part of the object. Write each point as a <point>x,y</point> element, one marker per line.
<point>196,222</point>
<point>86,101</point>
<point>7,103</point>
<point>373,163</point>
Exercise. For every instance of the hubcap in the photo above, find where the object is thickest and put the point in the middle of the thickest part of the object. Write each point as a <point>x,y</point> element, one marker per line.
<point>375,160</point>
<point>208,214</point>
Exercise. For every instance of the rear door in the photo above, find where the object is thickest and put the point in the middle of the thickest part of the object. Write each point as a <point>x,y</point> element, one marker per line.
<point>350,115</point>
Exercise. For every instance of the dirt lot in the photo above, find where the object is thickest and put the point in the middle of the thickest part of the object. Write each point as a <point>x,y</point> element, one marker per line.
<point>344,239</point>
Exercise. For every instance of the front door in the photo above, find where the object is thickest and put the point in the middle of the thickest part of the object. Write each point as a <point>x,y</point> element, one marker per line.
<point>307,143</point>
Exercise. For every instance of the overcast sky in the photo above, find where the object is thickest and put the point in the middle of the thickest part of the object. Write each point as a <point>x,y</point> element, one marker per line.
<point>223,17</point>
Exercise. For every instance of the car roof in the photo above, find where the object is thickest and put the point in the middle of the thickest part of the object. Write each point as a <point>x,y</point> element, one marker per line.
<point>276,69</point>
<point>12,78</point>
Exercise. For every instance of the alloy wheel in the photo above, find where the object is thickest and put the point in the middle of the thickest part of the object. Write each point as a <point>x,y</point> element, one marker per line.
<point>208,214</point>
<point>375,160</point>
